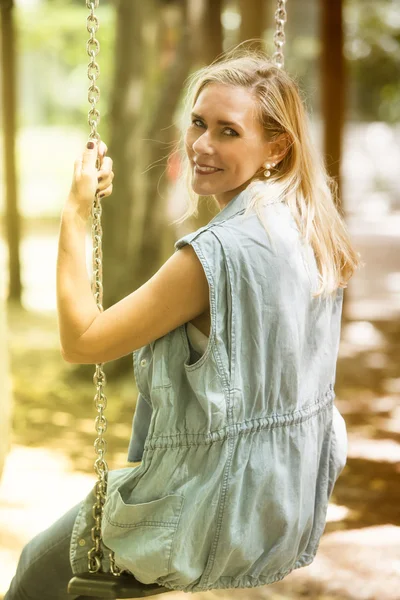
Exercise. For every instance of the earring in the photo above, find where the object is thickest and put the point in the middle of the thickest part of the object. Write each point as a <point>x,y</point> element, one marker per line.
<point>267,166</point>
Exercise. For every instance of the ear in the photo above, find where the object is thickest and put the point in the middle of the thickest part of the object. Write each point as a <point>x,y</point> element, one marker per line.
<point>279,147</point>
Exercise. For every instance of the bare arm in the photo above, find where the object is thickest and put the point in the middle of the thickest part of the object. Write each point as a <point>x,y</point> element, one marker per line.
<point>177,293</point>
<point>76,307</point>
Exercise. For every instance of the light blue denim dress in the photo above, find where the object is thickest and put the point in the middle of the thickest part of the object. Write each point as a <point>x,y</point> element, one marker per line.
<point>241,446</point>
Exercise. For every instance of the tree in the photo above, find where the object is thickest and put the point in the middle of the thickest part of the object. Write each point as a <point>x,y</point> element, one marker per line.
<point>333,95</point>
<point>9,128</point>
<point>332,86</point>
<point>165,106</point>
<point>211,37</point>
<point>5,386</point>
<point>12,218</point>
<point>252,14</point>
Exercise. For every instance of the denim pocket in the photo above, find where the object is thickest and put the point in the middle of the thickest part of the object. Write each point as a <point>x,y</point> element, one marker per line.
<point>193,359</point>
<point>161,352</point>
<point>142,535</point>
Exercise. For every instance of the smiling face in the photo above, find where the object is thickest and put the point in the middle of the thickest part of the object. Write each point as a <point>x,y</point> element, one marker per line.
<point>237,149</point>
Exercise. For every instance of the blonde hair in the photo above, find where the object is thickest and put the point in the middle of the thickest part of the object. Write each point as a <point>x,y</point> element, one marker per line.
<point>300,179</point>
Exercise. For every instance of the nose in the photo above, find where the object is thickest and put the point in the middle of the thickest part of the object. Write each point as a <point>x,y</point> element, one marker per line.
<point>203,145</point>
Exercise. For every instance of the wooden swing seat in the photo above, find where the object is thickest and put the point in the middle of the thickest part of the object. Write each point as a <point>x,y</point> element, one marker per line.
<point>106,585</point>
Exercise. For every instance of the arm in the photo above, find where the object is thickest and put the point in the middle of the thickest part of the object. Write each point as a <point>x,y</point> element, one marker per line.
<point>76,307</point>
<point>177,293</point>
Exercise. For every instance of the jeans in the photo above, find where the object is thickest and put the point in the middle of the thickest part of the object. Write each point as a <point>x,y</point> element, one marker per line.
<point>44,569</point>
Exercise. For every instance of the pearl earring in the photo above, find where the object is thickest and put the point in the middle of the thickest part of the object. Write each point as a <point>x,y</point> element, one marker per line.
<point>267,172</point>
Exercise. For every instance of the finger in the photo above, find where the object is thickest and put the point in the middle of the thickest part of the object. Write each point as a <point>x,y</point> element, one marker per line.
<point>103,184</point>
<point>89,156</point>
<point>106,167</point>
<point>102,149</point>
<point>107,191</point>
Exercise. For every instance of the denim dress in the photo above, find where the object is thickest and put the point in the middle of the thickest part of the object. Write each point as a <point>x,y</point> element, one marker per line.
<point>240,446</point>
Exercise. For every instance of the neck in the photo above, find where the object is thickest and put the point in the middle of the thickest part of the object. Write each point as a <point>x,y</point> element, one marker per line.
<point>224,198</point>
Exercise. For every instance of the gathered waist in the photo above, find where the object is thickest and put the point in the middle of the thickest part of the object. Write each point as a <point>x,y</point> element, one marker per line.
<point>248,426</point>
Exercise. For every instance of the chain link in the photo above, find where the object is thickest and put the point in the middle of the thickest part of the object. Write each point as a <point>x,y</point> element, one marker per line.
<point>93,72</point>
<point>95,554</point>
<point>279,35</point>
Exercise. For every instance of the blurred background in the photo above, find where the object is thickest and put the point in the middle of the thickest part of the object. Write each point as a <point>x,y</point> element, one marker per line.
<point>345,55</point>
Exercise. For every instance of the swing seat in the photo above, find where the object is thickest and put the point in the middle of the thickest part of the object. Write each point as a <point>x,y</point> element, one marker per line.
<point>106,585</point>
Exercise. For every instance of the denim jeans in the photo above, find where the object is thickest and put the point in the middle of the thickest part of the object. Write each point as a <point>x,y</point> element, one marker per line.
<point>44,569</point>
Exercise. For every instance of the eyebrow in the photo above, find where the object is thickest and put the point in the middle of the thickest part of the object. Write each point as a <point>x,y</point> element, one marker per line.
<point>220,122</point>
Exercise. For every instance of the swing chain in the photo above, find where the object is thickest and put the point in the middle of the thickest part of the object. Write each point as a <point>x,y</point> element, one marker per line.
<point>93,72</point>
<point>279,35</point>
<point>95,554</point>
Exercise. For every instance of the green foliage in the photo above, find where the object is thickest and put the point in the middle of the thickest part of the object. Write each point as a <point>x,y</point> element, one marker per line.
<point>373,52</point>
<point>53,61</point>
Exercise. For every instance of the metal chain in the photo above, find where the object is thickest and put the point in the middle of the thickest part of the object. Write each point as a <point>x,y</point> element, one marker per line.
<point>95,554</point>
<point>279,36</point>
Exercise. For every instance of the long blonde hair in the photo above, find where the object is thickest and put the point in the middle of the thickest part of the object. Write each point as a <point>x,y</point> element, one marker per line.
<point>300,179</point>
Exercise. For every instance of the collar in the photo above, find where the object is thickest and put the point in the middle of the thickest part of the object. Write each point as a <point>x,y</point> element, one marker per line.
<point>234,206</point>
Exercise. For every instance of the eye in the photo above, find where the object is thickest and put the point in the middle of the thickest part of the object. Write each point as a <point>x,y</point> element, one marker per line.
<point>233,134</point>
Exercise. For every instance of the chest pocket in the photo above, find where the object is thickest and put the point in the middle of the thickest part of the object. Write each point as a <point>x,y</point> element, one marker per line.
<point>161,349</point>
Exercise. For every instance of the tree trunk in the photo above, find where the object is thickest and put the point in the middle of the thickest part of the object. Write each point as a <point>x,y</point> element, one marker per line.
<point>9,128</point>
<point>332,86</point>
<point>333,95</point>
<point>5,383</point>
<point>121,214</point>
<point>212,45</point>
<point>205,19</point>
<point>154,226</point>
<point>252,24</point>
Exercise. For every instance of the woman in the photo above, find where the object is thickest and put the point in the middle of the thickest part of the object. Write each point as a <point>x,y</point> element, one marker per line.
<point>234,340</point>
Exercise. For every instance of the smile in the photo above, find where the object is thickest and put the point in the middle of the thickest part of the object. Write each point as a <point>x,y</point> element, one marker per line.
<point>205,170</point>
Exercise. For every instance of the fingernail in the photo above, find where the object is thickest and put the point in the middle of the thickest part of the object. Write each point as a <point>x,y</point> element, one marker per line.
<point>90,145</point>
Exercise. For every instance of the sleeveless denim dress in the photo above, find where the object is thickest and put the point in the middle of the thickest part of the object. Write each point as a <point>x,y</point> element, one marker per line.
<point>241,445</point>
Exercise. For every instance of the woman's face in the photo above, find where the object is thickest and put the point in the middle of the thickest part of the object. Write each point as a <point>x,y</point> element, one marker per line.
<point>237,148</point>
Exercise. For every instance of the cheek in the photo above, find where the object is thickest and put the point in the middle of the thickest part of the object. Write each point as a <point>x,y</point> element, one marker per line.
<point>246,160</point>
<point>190,138</point>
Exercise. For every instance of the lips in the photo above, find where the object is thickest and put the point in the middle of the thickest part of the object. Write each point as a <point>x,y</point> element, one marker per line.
<point>205,169</point>
<point>210,166</point>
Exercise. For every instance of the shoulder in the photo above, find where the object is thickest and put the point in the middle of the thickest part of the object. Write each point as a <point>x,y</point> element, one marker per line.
<point>212,235</point>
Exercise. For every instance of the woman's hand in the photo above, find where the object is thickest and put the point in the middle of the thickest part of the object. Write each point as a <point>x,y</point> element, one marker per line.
<point>87,180</point>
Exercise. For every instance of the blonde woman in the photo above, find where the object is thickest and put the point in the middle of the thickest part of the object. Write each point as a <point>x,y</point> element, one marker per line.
<point>234,341</point>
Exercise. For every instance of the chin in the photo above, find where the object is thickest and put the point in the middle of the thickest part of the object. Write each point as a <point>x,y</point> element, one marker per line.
<point>207,189</point>
<point>203,190</point>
